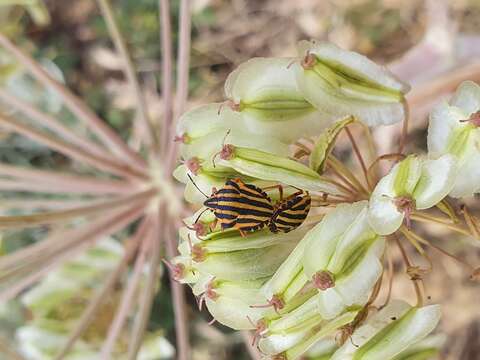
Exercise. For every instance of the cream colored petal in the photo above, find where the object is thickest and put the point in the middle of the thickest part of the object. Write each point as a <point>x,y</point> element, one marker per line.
<point>321,241</point>
<point>383,215</point>
<point>467,180</point>
<point>444,120</point>
<point>437,179</point>
<point>346,83</point>
<point>467,97</point>
<point>355,62</point>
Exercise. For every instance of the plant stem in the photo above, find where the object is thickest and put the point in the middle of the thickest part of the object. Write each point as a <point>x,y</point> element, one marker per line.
<point>127,300</point>
<point>403,136</point>
<point>56,182</point>
<point>102,294</point>
<point>104,164</point>
<point>23,221</point>
<point>345,173</point>
<point>148,293</point>
<point>49,122</point>
<point>82,111</point>
<point>359,157</point>
<point>167,73</point>
<point>80,244</point>
<point>183,71</point>
<point>130,72</point>
<point>423,217</point>
<point>418,292</point>
<point>179,303</point>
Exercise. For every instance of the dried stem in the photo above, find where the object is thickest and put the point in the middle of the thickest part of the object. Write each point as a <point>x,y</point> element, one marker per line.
<point>148,293</point>
<point>390,276</point>
<point>82,111</point>
<point>82,243</point>
<point>423,217</point>
<point>129,69</point>
<point>179,303</point>
<point>105,164</point>
<point>56,182</point>
<point>22,221</point>
<point>127,299</point>
<point>102,294</point>
<point>359,156</point>
<point>439,249</point>
<point>183,72</point>
<point>418,291</point>
<point>183,64</point>
<point>56,242</point>
<point>167,73</point>
<point>345,173</point>
<point>51,123</point>
<point>403,136</point>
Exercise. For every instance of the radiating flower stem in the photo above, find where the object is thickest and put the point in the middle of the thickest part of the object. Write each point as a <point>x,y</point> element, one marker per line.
<point>61,146</point>
<point>118,40</point>
<point>179,304</point>
<point>97,125</point>
<point>408,264</point>
<point>167,73</point>
<point>148,293</point>
<point>22,221</point>
<point>359,157</point>
<point>424,217</point>
<point>78,244</point>
<point>128,297</point>
<point>57,182</point>
<point>49,122</point>
<point>102,294</point>
<point>403,136</point>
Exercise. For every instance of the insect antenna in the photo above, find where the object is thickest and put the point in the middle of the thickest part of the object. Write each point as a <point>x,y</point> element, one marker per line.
<point>193,182</point>
<point>200,215</point>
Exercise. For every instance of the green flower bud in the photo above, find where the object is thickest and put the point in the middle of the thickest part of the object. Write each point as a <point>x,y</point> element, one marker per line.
<point>264,91</point>
<point>455,129</point>
<point>233,304</point>
<point>412,184</point>
<point>325,144</point>
<point>265,166</point>
<point>207,119</point>
<point>390,332</point>
<point>247,264</point>
<point>322,350</point>
<point>326,330</point>
<point>341,257</point>
<point>341,83</point>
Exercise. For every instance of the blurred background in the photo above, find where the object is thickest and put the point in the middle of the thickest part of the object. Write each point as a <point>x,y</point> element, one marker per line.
<point>430,44</point>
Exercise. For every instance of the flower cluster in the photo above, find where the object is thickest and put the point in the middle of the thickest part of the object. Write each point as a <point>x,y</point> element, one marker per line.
<point>253,160</point>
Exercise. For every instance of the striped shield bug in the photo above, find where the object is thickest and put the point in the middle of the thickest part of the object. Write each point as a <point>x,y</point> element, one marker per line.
<point>247,208</point>
<point>240,206</point>
<point>290,213</point>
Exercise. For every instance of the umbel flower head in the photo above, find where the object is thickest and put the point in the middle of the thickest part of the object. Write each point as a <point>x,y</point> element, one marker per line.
<point>245,162</point>
<point>454,128</point>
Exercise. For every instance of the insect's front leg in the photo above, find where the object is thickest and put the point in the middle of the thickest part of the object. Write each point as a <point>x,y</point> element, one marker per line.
<point>279,187</point>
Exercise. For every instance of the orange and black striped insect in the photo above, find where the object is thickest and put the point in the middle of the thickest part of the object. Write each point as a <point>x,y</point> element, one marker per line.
<point>290,213</point>
<point>248,208</point>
